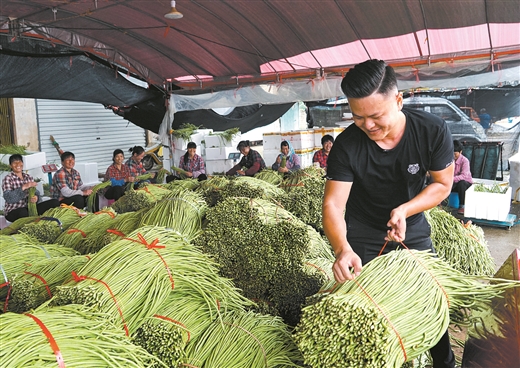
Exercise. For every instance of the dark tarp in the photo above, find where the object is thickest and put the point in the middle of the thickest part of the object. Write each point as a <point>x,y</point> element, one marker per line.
<point>149,115</point>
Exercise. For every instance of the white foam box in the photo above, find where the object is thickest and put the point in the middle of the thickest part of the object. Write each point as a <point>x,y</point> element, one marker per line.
<point>30,161</point>
<point>305,157</point>
<point>212,140</point>
<point>272,141</point>
<point>37,173</point>
<point>88,171</point>
<point>334,132</point>
<point>487,206</point>
<point>219,153</point>
<point>269,156</point>
<point>300,139</point>
<point>318,134</point>
<point>514,176</point>
<point>218,166</point>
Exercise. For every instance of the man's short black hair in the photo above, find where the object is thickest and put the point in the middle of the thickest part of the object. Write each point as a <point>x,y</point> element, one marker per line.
<point>369,77</point>
<point>14,158</point>
<point>327,138</point>
<point>66,155</point>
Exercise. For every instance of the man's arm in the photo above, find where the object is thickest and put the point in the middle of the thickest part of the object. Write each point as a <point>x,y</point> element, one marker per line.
<point>334,203</point>
<point>429,197</point>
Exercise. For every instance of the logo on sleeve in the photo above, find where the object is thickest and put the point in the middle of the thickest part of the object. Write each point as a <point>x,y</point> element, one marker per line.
<point>413,169</point>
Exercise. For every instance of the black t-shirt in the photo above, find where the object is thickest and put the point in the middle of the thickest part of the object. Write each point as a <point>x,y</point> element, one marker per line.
<point>384,179</point>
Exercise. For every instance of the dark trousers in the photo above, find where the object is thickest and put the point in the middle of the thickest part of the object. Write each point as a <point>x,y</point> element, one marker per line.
<point>170,178</point>
<point>461,187</point>
<point>80,201</point>
<point>14,215</point>
<point>115,192</point>
<point>367,242</point>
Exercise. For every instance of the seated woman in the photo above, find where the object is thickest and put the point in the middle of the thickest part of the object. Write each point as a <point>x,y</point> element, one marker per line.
<point>192,164</point>
<point>292,160</point>
<point>251,162</point>
<point>67,184</point>
<point>462,179</point>
<point>135,163</point>
<point>15,187</point>
<point>119,174</point>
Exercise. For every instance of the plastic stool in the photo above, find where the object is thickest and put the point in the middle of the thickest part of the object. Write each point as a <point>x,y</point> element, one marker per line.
<point>453,200</point>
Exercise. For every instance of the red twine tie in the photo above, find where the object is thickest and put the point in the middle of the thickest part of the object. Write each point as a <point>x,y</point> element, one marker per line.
<point>50,339</point>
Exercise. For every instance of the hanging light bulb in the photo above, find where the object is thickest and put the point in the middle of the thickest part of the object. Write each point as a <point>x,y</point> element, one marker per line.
<point>173,14</point>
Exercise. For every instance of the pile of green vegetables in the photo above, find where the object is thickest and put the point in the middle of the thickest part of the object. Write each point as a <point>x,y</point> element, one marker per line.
<point>462,246</point>
<point>369,322</point>
<point>264,249</point>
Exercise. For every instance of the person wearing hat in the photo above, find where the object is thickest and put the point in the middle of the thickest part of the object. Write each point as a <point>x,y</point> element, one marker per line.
<point>292,160</point>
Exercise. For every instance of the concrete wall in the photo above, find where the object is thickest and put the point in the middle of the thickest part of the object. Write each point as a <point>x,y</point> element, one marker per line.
<point>25,123</point>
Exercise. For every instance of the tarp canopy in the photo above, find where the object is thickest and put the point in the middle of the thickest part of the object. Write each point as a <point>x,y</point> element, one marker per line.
<point>79,49</point>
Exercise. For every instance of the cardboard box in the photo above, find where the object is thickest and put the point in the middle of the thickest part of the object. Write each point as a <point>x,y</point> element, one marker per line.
<point>488,206</point>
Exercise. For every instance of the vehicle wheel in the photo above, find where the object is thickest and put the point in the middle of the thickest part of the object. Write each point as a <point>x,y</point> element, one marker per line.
<point>147,162</point>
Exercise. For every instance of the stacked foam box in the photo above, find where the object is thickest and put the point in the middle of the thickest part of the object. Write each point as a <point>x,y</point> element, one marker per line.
<point>32,160</point>
<point>271,147</point>
<point>305,157</point>
<point>88,172</point>
<point>217,151</point>
<point>318,134</point>
<point>487,206</point>
<point>300,139</point>
<point>514,176</point>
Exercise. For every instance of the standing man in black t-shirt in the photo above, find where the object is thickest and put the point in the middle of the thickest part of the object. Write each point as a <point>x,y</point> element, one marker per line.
<point>377,169</point>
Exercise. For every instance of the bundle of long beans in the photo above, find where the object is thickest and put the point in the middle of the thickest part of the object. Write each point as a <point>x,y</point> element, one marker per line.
<point>156,192</point>
<point>131,186</point>
<point>91,199</point>
<point>133,200</point>
<point>17,225</point>
<point>188,183</point>
<point>38,281</point>
<point>44,229</point>
<point>179,320</point>
<point>19,250</point>
<point>122,225</point>
<point>93,225</point>
<point>462,246</point>
<point>244,340</point>
<point>182,211</point>
<point>161,174</point>
<point>210,189</point>
<point>164,260</point>
<point>66,214</point>
<point>371,322</point>
<point>304,198</point>
<point>31,206</point>
<point>264,248</point>
<point>68,336</point>
<point>270,176</point>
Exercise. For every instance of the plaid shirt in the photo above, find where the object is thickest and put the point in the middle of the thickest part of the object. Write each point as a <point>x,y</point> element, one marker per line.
<point>194,165</point>
<point>14,196</point>
<point>321,157</point>
<point>136,169</point>
<point>114,173</point>
<point>62,178</point>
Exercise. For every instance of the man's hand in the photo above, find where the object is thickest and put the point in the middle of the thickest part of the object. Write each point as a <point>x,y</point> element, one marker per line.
<point>397,223</point>
<point>344,261</point>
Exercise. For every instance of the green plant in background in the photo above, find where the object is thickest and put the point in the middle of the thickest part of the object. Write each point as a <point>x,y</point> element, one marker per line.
<point>227,135</point>
<point>12,149</point>
<point>185,131</point>
<point>495,188</point>
<point>4,167</point>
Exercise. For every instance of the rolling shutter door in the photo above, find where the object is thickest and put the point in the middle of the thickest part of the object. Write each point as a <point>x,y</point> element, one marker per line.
<point>88,130</point>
